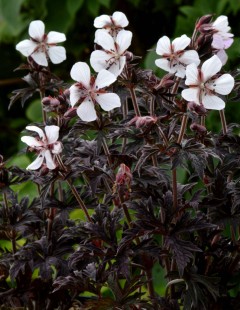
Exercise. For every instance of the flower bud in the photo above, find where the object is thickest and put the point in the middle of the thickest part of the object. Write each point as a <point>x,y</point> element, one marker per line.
<point>124,176</point>
<point>129,56</point>
<point>72,112</point>
<point>198,128</point>
<point>142,121</point>
<point>197,108</point>
<point>46,100</point>
<point>206,19</point>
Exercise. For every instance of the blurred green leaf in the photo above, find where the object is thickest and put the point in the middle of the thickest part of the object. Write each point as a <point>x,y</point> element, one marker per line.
<point>73,6</point>
<point>105,3</point>
<point>11,23</point>
<point>93,7</point>
<point>34,111</point>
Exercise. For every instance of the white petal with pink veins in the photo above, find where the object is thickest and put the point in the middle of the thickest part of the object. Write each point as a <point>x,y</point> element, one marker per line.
<point>224,84</point>
<point>191,94</point>
<point>36,30</point>
<point>100,60</point>
<point>37,163</point>
<point>52,133</point>
<point>102,21</point>
<point>104,79</point>
<point>80,72</point>
<point>163,46</point>
<point>192,75</point>
<point>26,47</point>
<point>40,58</point>
<point>55,37</point>
<point>189,57</point>
<point>38,130</point>
<point>163,63</point>
<point>120,19</point>
<point>123,40</point>
<point>86,111</point>
<point>117,66</point>
<point>181,43</point>
<point>213,102</point>
<point>210,67</point>
<point>31,141</point>
<point>74,94</point>
<point>49,160</point>
<point>57,148</point>
<point>108,101</point>
<point>57,54</point>
<point>105,40</point>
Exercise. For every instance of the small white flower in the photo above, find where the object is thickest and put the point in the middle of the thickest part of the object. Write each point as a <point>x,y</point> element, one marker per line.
<point>174,57</point>
<point>204,87</point>
<point>112,56</point>
<point>112,24</point>
<point>89,91</point>
<point>42,46</point>
<point>222,39</point>
<point>45,146</point>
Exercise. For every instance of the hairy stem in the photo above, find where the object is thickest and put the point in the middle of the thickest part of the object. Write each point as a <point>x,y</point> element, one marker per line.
<point>223,121</point>
<point>134,100</point>
<point>44,114</point>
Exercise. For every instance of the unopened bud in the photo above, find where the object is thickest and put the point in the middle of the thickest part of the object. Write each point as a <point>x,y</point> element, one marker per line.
<point>72,112</point>
<point>142,121</point>
<point>66,93</point>
<point>124,176</point>
<point>197,108</point>
<point>46,100</point>
<point>206,19</point>
<point>54,102</point>
<point>129,56</point>
<point>197,127</point>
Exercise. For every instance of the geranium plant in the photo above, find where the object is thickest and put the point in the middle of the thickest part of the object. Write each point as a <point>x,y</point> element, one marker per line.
<point>138,201</point>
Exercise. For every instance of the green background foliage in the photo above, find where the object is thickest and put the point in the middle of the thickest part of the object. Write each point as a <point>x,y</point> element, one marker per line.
<point>148,20</point>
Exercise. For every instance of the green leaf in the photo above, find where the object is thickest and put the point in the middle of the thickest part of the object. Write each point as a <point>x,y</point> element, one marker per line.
<point>34,111</point>
<point>93,7</point>
<point>73,6</point>
<point>11,22</point>
<point>105,3</point>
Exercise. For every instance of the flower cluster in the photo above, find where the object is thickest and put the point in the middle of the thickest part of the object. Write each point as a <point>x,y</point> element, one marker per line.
<point>114,42</point>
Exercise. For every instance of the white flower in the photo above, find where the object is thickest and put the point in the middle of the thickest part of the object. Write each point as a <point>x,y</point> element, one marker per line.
<point>89,90</point>
<point>112,56</point>
<point>112,24</point>
<point>46,145</point>
<point>174,57</point>
<point>42,46</point>
<point>222,39</point>
<point>204,87</point>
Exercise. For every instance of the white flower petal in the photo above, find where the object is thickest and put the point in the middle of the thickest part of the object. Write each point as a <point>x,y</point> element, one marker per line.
<point>164,64</point>
<point>221,23</point>
<point>120,19</point>
<point>38,130</point>
<point>49,160</point>
<point>26,47</point>
<point>191,94</point>
<point>104,79</point>
<point>213,102</point>
<point>36,30</point>
<point>100,60</point>
<point>192,75</point>
<point>181,71</point>
<point>124,38</point>
<point>163,46</point>
<point>55,37</point>
<point>116,68</point>
<point>217,41</point>
<point>74,94</point>
<point>105,40</point>
<point>189,57</point>
<point>40,58</point>
<point>210,67</point>
<point>31,141</point>
<point>37,163</point>
<point>102,21</point>
<point>57,54</point>
<point>80,72</point>
<point>86,111</point>
<point>181,43</point>
<point>224,84</point>
<point>57,148</point>
<point>52,133</point>
<point>108,101</point>
<point>222,55</point>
